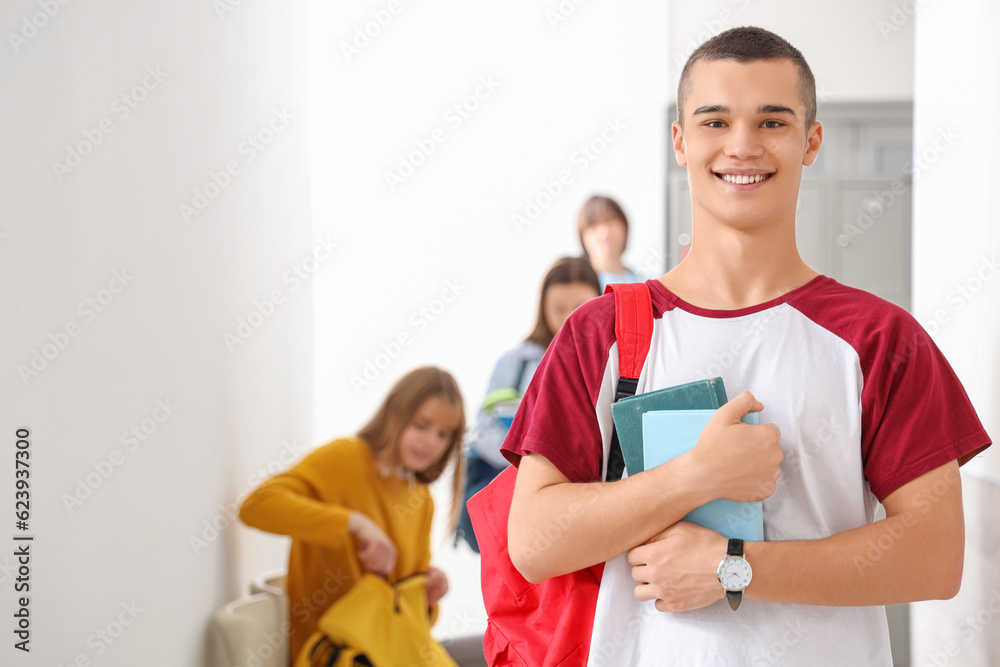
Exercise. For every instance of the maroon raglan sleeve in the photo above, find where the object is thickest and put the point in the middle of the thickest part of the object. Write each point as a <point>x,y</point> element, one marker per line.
<point>557,417</point>
<point>915,414</point>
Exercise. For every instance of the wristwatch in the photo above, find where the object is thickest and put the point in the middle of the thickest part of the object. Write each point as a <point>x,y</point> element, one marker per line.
<point>734,573</point>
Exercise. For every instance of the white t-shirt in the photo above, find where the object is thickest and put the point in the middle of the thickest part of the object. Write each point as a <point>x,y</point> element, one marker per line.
<point>865,403</point>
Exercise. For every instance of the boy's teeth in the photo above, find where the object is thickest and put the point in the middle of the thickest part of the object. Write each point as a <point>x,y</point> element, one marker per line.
<point>731,178</point>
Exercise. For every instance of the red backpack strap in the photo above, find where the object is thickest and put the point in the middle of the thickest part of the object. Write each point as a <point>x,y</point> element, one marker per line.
<point>551,622</point>
<point>634,332</point>
<point>633,327</point>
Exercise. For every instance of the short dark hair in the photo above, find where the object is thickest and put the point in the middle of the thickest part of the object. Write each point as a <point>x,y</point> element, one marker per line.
<point>744,45</point>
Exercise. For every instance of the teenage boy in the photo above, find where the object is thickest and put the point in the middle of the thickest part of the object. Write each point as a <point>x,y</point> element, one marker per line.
<point>857,406</point>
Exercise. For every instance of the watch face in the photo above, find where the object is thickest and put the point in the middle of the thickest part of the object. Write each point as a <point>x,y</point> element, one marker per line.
<point>734,573</point>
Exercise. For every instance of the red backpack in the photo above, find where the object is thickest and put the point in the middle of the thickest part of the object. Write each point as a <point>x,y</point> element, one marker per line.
<point>550,623</point>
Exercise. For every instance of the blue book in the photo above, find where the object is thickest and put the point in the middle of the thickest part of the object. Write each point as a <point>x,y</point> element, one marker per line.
<point>669,433</point>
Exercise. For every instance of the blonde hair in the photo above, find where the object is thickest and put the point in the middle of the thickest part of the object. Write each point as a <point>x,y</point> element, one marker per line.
<point>383,432</point>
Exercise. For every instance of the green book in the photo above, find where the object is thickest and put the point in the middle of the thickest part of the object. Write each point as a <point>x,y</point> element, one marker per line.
<point>700,395</point>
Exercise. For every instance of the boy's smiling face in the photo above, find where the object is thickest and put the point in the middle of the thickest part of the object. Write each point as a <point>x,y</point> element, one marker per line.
<point>745,122</point>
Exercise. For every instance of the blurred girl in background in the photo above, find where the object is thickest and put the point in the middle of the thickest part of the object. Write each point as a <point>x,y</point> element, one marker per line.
<point>570,282</point>
<point>604,234</point>
<point>361,504</point>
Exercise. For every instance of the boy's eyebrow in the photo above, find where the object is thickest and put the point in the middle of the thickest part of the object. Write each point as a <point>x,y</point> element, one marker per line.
<point>763,109</point>
<point>713,108</point>
<point>774,108</point>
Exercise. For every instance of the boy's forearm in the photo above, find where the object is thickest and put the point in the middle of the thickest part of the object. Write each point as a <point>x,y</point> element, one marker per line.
<point>567,526</point>
<point>914,554</point>
<point>558,527</point>
<point>876,564</point>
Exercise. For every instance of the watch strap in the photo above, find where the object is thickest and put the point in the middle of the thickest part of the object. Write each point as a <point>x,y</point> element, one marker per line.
<point>735,547</point>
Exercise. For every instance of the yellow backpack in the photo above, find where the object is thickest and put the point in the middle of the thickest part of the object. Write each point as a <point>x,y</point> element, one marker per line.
<point>377,624</point>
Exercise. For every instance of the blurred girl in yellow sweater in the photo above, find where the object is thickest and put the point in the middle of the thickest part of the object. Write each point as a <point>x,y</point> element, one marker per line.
<point>364,500</point>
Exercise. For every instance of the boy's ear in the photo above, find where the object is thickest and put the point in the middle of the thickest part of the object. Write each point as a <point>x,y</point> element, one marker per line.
<point>678,136</point>
<point>814,139</point>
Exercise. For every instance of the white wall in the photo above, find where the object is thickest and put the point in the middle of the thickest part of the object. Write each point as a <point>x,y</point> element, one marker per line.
<point>452,219</point>
<point>956,292</point>
<point>956,235</point>
<point>450,222</point>
<point>857,50</point>
<point>159,333</point>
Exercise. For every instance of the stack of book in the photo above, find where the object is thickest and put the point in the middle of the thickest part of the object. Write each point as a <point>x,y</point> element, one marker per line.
<point>661,425</point>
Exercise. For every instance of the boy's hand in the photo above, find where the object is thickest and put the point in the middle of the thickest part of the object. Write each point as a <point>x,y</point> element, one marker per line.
<point>437,586</point>
<point>377,553</point>
<point>677,567</point>
<point>738,461</point>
